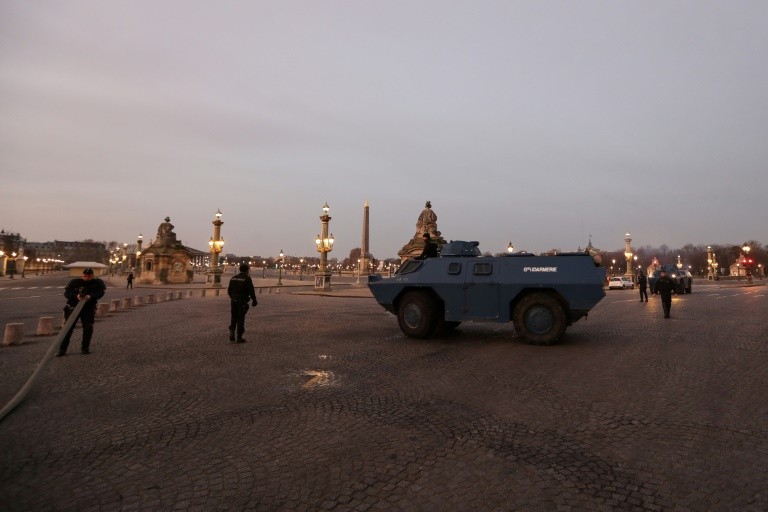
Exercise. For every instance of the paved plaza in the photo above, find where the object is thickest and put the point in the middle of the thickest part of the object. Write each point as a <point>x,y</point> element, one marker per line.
<point>328,406</point>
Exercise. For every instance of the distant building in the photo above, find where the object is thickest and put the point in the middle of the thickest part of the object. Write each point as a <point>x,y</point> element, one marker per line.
<point>67,251</point>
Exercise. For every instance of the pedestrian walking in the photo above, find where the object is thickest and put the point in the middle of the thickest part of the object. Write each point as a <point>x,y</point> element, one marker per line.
<point>240,290</point>
<point>664,286</point>
<point>642,282</point>
<point>89,289</point>
<point>130,281</point>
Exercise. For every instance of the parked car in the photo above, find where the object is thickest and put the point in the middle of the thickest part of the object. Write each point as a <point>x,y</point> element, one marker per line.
<point>621,283</point>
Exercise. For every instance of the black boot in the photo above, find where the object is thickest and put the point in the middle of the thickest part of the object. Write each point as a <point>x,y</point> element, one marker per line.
<point>85,348</point>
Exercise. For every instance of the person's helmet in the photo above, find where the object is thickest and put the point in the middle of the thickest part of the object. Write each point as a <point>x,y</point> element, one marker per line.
<point>88,271</point>
<point>244,267</point>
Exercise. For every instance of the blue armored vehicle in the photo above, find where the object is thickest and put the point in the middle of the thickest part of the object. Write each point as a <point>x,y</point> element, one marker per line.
<point>540,295</point>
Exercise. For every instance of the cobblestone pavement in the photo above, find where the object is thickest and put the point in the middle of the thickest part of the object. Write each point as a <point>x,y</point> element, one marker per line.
<point>328,407</point>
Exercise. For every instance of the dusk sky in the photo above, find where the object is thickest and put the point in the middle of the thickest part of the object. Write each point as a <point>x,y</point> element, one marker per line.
<point>536,122</point>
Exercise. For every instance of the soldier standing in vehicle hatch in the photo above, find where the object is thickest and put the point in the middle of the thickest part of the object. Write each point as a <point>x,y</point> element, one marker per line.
<point>430,248</point>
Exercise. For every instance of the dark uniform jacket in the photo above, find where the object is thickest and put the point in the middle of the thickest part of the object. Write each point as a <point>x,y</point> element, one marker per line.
<point>94,287</point>
<point>241,288</point>
<point>642,281</point>
<point>664,286</point>
<point>429,251</point>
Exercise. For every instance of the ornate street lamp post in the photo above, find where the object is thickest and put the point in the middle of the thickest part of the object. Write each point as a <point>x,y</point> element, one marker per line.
<point>747,262</point>
<point>710,264</point>
<point>324,243</point>
<point>24,267</point>
<point>216,245</point>
<point>263,269</point>
<point>280,269</point>
<point>124,257</point>
<point>12,269</point>
<point>37,267</point>
<point>137,263</point>
<point>358,271</point>
<point>628,256</point>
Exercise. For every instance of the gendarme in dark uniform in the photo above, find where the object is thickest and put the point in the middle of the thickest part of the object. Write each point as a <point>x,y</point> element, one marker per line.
<point>89,289</point>
<point>240,291</point>
<point>665,286</point>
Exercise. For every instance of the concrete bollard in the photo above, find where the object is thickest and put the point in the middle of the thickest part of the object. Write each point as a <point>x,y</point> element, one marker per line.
<point>114,305</point>
<point>179,295</point>
<point>169,296</point>
<point>137,301</point>
<point>102,309</point>
<point>160,297</point>
<point>45,326</point>
<point>151,299</point>
<point>261,290</point>
<point>127,302</point>
<point>270,290</point>
<point>278,290</point>
<point>189,294</point>
<point>13,334</point>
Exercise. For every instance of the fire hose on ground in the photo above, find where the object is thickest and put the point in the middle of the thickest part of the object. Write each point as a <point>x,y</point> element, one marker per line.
<point>48,355</point>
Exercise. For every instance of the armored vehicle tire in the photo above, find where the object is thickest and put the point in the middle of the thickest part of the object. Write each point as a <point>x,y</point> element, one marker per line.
<point>539,319</point>
<point>417,315</point>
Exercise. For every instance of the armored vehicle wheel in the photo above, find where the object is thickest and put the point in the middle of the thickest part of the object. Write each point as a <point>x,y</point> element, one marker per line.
<point>417,315</point>
<point>539,319</point>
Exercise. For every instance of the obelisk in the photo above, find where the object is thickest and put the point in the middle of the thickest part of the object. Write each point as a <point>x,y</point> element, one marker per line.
<point>364,248</point>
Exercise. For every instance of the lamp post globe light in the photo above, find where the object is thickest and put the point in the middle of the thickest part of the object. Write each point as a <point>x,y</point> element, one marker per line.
<point>24,266</point>
<point>323,245</point>
<point>280,269</point>
<point>216,245</point>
